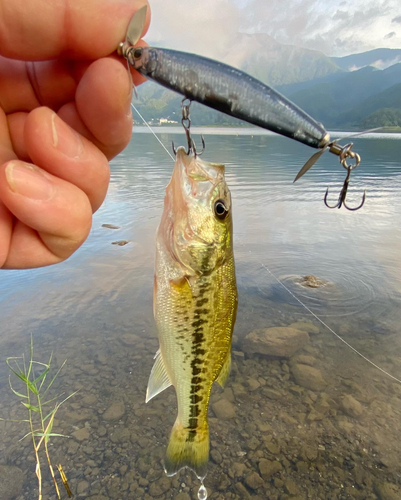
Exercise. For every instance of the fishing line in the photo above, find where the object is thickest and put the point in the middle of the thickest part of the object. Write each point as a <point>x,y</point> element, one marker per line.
<point>149,127</point>
<point>330,329</point>
<point>288,290</point>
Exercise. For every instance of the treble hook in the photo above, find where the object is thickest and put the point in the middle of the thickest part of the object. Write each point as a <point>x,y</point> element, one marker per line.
<point>194,146</point>
<point>345,152</point>
<point>343,195</point>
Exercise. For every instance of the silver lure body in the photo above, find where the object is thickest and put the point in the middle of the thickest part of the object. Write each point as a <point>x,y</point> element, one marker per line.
<point>228,90</point>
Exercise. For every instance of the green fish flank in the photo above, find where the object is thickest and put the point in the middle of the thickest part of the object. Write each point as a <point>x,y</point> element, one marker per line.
<point>195,303</point>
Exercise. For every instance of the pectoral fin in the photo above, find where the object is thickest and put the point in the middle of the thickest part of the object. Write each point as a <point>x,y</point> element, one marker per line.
<point>159,379</point>
<point>225,371</point>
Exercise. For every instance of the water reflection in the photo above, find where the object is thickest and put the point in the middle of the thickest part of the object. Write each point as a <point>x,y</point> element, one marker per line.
<point>96,311</point>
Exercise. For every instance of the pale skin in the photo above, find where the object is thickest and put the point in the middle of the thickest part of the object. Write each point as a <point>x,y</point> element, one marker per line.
<point>64,112</point>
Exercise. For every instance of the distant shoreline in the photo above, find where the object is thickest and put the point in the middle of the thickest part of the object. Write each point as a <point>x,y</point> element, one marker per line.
<point>251,130</point>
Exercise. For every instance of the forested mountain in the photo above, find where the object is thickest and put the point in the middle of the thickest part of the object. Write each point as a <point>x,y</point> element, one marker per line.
<point>323,86</point>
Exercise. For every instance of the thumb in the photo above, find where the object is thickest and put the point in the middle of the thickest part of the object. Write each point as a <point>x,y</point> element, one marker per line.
<point>76,29</point>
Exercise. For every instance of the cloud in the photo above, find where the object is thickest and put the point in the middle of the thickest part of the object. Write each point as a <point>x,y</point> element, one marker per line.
<point>380,64</point>
<point>335,27</point>
<point>390,35</point>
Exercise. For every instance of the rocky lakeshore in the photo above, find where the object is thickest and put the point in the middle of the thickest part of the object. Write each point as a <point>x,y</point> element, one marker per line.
<point>287,425</point>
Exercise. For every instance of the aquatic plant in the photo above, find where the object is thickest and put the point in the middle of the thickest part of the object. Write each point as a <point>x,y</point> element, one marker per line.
<point>34,375</point>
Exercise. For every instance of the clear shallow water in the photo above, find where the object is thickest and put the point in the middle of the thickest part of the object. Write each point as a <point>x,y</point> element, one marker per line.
<point>87,309</point>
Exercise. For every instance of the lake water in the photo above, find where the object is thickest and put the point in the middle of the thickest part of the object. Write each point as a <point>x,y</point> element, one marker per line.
<point>284,440</point>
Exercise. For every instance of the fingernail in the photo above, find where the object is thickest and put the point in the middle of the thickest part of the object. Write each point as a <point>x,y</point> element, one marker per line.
<point>65,139</point>
<point>28,180</point>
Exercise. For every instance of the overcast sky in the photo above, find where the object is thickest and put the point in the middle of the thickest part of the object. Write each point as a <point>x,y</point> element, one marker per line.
<point>335,27</point>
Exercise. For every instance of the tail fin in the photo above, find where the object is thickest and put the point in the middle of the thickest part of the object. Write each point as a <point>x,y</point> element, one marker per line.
<point>188,448</point>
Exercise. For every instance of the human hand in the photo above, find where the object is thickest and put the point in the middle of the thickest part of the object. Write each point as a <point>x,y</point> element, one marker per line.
<point>64,112</point>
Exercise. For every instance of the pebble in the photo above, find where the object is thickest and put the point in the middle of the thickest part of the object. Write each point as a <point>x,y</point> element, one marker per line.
<point>216,456</point>
<point>272,448</point>
<point>82,486</point>
<point>253,384</point>
<point>120,435</point>
<point>114,411</point>
<point>120,243</point>
<point>308,377</point>
<point>387,491</point>
<point>280,341</point>
<point>268,468</point>
<point>11,481</point>
<point>81,434</point>
<point>223,409</point>
<point>129,339</point>
<point>254,481</point>
<point>290,487</point>
<point>160,486</point>
<point>182,496</point>
<point>351,406</point>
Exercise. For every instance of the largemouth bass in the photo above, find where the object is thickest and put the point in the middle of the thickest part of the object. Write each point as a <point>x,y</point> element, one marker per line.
<point>195,303</point>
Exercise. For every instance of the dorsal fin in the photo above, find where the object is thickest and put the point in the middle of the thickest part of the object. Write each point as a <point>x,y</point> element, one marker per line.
<point>159,379</point>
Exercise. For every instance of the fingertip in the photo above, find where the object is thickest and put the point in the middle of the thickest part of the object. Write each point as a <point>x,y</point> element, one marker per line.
<point>103,101</point>
<point>16,126</point>
<point>59,211</point>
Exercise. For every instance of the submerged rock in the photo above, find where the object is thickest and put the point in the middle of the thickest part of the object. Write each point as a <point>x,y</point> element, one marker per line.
<point>388,491</point>
<point>305,326</point>
<point>281,342</point>
<point>11,480</point>
<point>224,409</point>
<point>351,406</point>
<point>81,434</point>
<point>310,281</point>
<point>115,411</point>
<point>254,481</point>
<point>308,377</point>
<point>120,243</point>
<point>268,468</point>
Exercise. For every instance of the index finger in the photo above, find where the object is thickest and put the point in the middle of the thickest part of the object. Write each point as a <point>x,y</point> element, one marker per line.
<point>76,29</point>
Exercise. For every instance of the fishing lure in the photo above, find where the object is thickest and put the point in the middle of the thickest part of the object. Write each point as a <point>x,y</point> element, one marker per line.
<point>231,91</point>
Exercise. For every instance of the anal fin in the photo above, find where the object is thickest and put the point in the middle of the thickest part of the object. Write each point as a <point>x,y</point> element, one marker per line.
<point>159,379</point>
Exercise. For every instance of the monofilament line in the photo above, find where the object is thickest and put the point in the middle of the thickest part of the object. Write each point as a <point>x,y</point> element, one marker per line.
<point>149,127</point>
<point>330,329</point>
<point>288,290</point>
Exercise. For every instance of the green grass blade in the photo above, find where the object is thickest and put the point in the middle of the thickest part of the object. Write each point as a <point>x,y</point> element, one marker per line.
<point>53,399</point>
<point>43,374</point>
<point>31,407</point>
<point>45,435</point>
<point>54,378</point>
<point>11,420</point>
<point>14,391</point>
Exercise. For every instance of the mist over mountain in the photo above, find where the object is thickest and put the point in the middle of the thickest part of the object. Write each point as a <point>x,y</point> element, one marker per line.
<point>341,92</point>
<point>338,103</point>
<point>275,63</point>
<point>378,58</point>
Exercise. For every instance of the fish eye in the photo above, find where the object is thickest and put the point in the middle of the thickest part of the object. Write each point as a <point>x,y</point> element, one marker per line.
<point>220,210</point>
<point>137,53</point>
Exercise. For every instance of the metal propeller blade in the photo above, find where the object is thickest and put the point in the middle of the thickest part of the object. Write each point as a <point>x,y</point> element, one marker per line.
<point>136,25</point>
<point>312,160</point>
